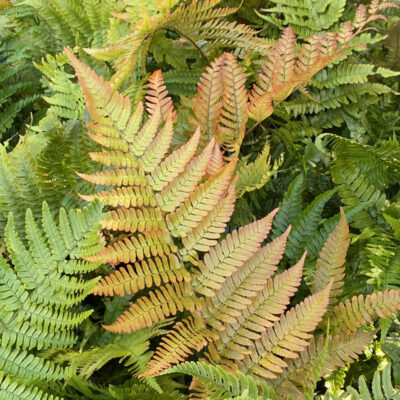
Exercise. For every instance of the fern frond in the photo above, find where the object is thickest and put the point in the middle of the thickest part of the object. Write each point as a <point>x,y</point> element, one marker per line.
<point>260,314</point>
<point>287,338</point>
<point>160,304</point>
<point>342,349</point>
<point>342,74</point>
<point>64,96</point>
<point>255,175</point>
<point>305,225</point>
<point>222,383</point>
<point>226,257</point>
<point>157,195</point>
<point>233,114</point>
<point>186,336</point>
<point>237,291</point>
<point>287,69</point>
<point>290,208</point>
<point>362,310</point>
<point>207,103</point>
<point>331,259</point>
<point>39,311</point>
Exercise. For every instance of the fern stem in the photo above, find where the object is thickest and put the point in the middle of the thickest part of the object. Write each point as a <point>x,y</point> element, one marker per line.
<point>191,41</point>
<point>252,128</point>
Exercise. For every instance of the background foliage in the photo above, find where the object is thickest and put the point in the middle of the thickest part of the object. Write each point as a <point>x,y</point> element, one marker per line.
<point>308,146</point>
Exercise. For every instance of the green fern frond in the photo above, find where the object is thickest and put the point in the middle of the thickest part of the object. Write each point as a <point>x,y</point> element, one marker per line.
<point>333,98</point>
<point>64,96</point>
<point>307,17</point>
<point>381,388</point>
<point>14,390</point>
<point>223,384</point>
<point>40,310</point>
<point>67,22</point>
<point>306,224</point>
<point>290,208</point>
<point>256,174</point>
<point>36,171</point>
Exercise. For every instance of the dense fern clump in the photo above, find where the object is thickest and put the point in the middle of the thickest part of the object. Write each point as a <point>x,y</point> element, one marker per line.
<point>246,158</point>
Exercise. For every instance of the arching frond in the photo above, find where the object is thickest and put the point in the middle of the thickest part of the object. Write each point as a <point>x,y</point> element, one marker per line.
<point>331,259</point>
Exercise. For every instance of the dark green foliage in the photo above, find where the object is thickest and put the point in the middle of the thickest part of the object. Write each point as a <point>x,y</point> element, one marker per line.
<point>340,146</point>
<point>42,168</point>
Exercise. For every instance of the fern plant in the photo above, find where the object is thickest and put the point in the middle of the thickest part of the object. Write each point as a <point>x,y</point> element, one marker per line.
<point>244,311</point>
<point>153,207</point>
<point>160,197</point>
<point>42,285</point>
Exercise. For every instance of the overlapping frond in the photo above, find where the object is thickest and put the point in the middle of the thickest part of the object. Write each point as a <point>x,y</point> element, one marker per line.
<point>186,336</point>
<point>341,349</point>
<point>290,207</point>
<point>288,69</point>
<point>287,338</point>
<point>39,310</point>
<point>331,259</point>
<point>226,257</point>
<point>362,310</point>
<point>156,195</point>
<point>158,305</point>
<point>194,22</point>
